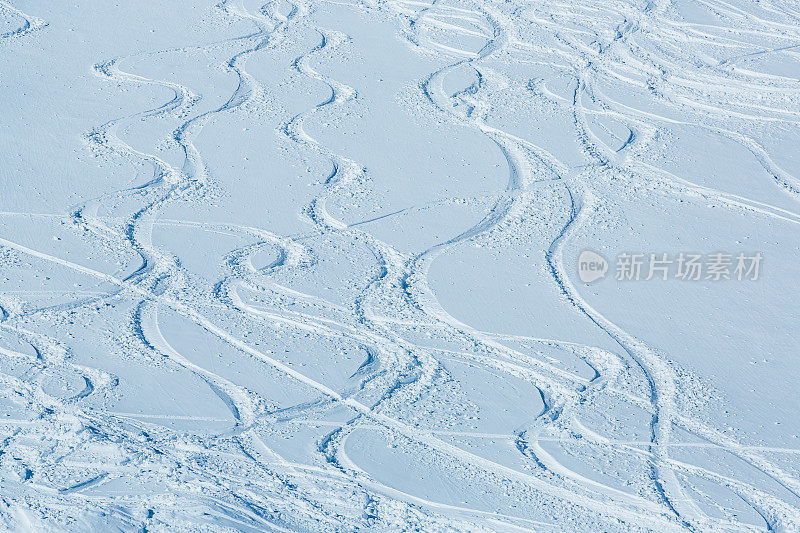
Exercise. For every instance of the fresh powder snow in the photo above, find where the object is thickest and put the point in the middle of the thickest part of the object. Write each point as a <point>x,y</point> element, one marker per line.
<point>400,265</point>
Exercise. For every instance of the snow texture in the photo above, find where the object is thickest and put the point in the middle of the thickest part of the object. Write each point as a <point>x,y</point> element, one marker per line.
<point>311,265</point>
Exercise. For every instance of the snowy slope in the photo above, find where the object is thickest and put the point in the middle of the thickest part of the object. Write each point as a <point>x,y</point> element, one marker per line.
<point>313,265</point>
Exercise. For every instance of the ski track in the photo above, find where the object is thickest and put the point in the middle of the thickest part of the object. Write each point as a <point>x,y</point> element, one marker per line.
<point>231,471</point>
<point>30,23</point>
